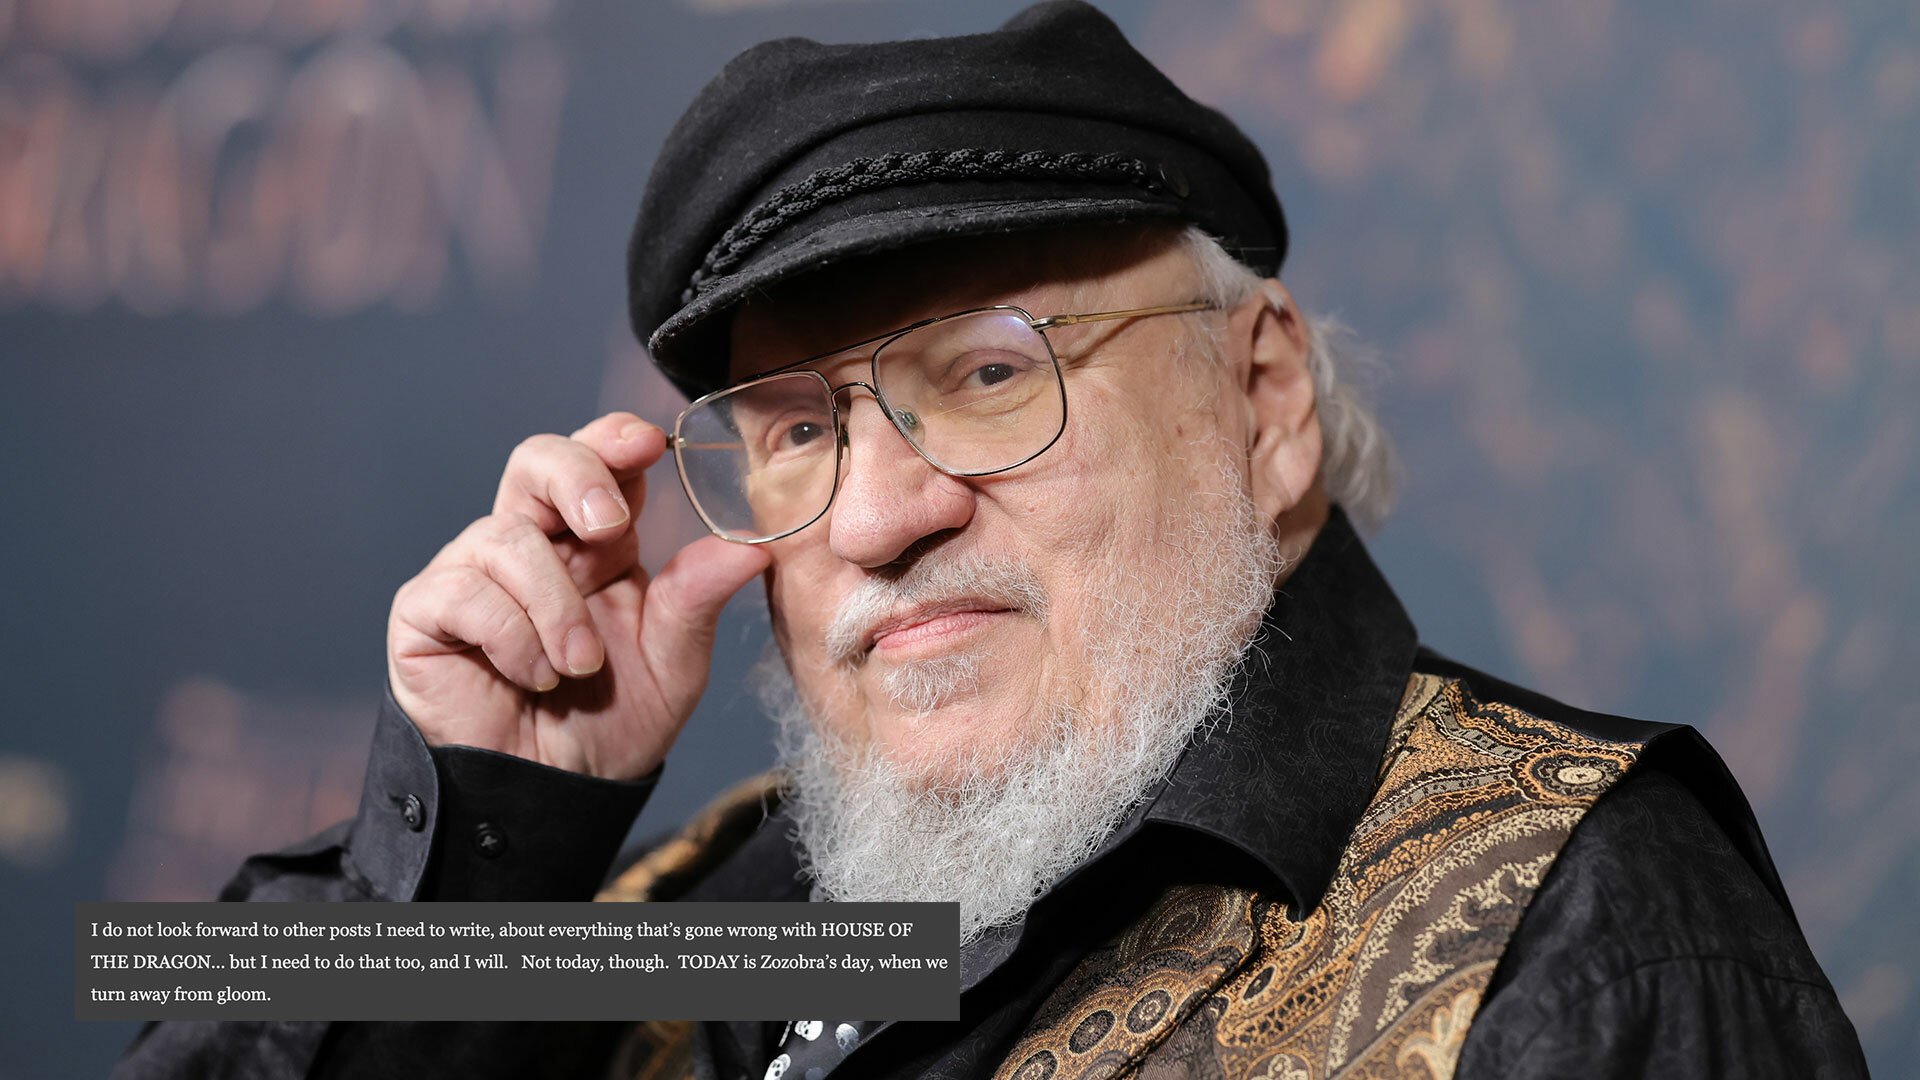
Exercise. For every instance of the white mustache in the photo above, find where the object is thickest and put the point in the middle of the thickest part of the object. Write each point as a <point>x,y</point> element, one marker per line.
<point>1003,580</point>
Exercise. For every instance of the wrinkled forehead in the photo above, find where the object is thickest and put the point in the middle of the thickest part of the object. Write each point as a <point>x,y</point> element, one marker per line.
<point>1045,272</point>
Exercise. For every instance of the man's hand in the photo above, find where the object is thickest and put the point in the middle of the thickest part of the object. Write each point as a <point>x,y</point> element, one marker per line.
<point>536,632</point>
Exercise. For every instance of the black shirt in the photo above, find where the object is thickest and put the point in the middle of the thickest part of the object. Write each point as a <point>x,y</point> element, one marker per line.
<point>1660,944</point>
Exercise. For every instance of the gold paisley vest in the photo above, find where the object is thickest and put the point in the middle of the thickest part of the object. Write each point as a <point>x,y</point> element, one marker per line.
<point>1382,979</point>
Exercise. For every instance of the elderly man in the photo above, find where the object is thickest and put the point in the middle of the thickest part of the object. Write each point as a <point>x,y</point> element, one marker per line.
<point>1051,486</point>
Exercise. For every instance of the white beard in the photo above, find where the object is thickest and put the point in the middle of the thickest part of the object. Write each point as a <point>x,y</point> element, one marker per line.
<point>994,831</point>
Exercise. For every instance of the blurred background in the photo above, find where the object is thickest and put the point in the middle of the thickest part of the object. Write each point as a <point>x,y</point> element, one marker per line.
<point>283,281</point>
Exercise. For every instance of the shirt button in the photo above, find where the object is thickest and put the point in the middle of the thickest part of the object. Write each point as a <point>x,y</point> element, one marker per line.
<point>414,813</point>
<point>491,842</point>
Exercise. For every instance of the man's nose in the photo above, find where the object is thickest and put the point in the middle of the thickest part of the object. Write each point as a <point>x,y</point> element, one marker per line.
<point>889,496</point>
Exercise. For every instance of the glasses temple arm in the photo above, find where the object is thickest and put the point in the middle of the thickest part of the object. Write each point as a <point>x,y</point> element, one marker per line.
<point>1106,316</point>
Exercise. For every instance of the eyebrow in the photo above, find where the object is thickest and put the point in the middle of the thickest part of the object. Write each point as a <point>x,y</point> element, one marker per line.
<point>895,332</point>
<point>1040,325</point>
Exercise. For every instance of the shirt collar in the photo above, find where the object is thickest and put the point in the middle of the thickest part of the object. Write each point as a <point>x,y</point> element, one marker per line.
<point>1288,772</point>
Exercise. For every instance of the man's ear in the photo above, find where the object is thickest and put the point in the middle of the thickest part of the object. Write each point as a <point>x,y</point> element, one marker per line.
<point>1283,420</point>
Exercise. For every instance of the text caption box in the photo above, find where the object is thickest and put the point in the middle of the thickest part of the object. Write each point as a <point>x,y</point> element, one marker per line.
<point>515,961</point>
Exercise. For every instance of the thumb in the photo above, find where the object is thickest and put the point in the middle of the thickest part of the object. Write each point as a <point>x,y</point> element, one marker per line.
<point>682,606</point>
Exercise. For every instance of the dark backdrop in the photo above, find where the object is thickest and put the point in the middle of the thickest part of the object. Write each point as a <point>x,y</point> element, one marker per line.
<point>282,282</point>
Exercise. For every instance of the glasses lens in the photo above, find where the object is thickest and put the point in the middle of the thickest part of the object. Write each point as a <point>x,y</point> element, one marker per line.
<point>976,393</point>
<point>761,460</point>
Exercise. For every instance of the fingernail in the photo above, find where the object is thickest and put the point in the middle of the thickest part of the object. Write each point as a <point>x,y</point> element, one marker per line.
<point>632,432</point>
<point>603,510</point>
<point>544,677</point>
<point>583,651</point>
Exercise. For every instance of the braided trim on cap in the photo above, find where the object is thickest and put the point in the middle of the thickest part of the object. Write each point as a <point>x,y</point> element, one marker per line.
<point>888,170</point>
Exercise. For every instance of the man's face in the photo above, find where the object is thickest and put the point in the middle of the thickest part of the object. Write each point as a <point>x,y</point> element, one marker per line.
<point>943,622</point>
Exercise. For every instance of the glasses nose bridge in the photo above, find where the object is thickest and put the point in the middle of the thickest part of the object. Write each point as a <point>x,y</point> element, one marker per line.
<point>835,391</point>
<point>886,412</point>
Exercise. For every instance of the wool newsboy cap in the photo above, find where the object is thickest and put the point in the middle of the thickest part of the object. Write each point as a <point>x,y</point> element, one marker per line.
<point>800,155</point>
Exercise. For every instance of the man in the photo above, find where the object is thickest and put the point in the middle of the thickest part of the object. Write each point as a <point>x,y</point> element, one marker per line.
<point>1050,483</point>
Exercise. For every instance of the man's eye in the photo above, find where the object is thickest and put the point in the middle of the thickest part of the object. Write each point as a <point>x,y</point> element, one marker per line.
<point>989,374</point>
<point>802,433</point>
<point>985,369</point>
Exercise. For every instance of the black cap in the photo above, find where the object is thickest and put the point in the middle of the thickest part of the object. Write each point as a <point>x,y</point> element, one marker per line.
<point>800,155</point>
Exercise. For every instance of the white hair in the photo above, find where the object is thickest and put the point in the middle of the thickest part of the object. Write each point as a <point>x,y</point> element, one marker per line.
<point>1357,462</point>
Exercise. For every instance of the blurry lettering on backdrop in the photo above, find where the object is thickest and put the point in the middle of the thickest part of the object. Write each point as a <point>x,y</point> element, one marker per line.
<point>211,157</point>
<point>208,155</point>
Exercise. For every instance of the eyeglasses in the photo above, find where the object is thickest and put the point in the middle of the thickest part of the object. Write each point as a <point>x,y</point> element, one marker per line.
<point>974,393</point>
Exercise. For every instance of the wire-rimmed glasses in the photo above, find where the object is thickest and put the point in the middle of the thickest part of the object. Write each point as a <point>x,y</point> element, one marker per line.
<point>974,393</point>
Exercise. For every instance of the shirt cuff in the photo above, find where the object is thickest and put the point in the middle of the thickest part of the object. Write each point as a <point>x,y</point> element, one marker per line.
<point>461,823</point>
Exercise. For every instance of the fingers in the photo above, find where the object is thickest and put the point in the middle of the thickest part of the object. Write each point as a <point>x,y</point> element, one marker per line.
<point>588,483</point>
<point>684,601</point>
<point>518,559</point>
<point>452,609</point>
<point>515,583</point>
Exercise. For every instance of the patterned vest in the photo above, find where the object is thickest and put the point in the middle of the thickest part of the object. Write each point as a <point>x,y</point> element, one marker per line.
<point>1382,979</point>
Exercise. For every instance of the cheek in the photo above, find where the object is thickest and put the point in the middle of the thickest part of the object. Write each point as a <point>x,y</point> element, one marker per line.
<point>1092,506</point>
<point>800,601</point>
<point>802,596</point>
<point>1072,497</point>
<point>1116,464</point>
